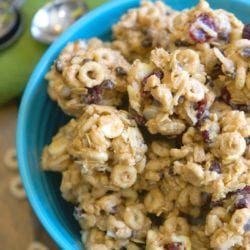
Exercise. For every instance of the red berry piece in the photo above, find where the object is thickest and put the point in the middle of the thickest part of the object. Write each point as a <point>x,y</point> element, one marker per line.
<point>197,33</point>
<point>243,202</point>
<point>205,136</point>
<point>225,96</point>
<point>159,74</point>
<point>201,107</point>
<point>173,246</point>
<point>94,95</point>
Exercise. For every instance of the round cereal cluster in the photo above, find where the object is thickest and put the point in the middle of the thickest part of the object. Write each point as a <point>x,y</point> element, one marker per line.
<point>142,29</point>
<point>183,181</point>
<point>168,93</point>
<point>103,139</point>
<point>87,73</point>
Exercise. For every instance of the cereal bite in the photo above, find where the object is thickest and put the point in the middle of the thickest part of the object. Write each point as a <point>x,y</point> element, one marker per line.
<point>87,73</point>
<point>234,78</point>
<point>109,140</point>
<point>202,24</point>
<point>169,91</point>
<point>142,29</point>
<point>103,139</point>
<point>227,224</point>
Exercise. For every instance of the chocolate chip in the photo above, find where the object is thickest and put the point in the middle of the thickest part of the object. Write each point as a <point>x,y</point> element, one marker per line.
<point>58,66</point>
<point>216,167</point>
<point>216,71</point>
<point>156,220</point>
<point>120,71</point>
<point>245,53</point>
<point>247,140</point>
<point>181,43</point>
<point>247,226</point>
<point>107,84</point>
<point>223,36</point>
<point>218,203</point>
<point>241,107</point>
<point>246,32</point>
<point>171,171</point>
<point>85,60</point>
<point>147,42</point>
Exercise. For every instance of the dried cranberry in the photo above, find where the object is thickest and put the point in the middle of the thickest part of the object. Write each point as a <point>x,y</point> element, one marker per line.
<point>246,32</point>
<point>201,107</point>
<point>156,220</point>
<point>245,53</point>
<point>215,166</point>
<point>108,84</point>
<point>245,190</point>
<point>173,246</point>
<point>120,71</point>
<point>94,95</point>
<point>157,73</point>
<point>205,136</point>
<point>58,66</point>
<point>198,34</point>
<point>243,202</point>
<point>140,120</point>
<point>147,42</point>
<point>225,96</point>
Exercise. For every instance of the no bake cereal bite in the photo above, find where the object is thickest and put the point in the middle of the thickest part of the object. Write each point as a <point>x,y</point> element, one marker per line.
<point>181,183</point>
<point>142,29</point>
<point>87,73</point>
<point>169,91</point>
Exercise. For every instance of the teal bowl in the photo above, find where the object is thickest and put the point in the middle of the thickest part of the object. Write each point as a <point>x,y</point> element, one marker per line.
<point>39,118</point>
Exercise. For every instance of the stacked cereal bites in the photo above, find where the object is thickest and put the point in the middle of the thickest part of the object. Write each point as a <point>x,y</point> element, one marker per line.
<point>172,170</point>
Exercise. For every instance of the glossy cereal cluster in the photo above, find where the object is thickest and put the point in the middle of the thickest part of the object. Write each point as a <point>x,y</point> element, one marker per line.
<point>172,172</point>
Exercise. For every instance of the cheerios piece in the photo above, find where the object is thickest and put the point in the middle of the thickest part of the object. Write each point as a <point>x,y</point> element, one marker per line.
<point>16,188</point>
<point>10,159</point>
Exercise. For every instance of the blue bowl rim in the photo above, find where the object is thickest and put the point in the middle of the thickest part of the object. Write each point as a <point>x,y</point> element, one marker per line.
<point>33,83</point>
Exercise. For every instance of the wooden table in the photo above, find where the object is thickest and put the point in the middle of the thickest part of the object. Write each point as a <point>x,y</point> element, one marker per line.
<point>19,226</point>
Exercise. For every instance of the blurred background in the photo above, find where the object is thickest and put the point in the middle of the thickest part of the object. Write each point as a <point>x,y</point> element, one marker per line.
<point>27,27</point>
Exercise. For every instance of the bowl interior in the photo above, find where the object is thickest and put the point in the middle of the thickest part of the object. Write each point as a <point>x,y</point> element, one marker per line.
<point>40,118</point>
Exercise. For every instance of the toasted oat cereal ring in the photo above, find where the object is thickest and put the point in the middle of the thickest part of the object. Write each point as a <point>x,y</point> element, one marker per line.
<point>10,159</point>
<point>36,245</point>
<point>91,74</point>
<point>16,188</point>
